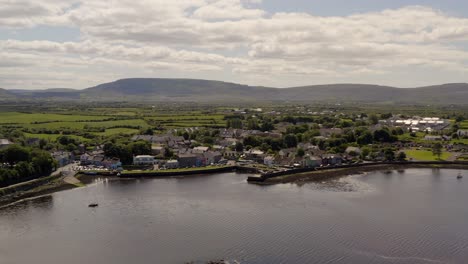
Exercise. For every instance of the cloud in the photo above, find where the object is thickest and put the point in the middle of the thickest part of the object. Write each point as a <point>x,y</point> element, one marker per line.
<point>236,39</point>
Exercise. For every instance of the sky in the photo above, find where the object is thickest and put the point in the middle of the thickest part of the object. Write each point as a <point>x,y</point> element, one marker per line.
<point>277,43</point>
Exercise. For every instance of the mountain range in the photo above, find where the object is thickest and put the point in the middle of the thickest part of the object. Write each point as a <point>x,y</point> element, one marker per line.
<point>194,90</point>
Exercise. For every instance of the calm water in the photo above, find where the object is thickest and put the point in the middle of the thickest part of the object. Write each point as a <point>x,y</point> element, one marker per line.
<point>415,216</point>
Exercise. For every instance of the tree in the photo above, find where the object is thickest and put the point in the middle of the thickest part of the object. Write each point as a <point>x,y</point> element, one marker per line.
<point>437,150</point>
<point>389,154</point>
<point>148,131</point>
<point>365,138</point>
<point>186,135</point>
<point>234,123</point>
<point>252,124</point>
<point>16,153</point>
<point>374,119</point>
<point>382,135</point>
<point>42,162</point>
<point>290,140</point>
<point>401,156</point>
<point>239,147</point>
<point>300,152</point>
<point>266,126</point>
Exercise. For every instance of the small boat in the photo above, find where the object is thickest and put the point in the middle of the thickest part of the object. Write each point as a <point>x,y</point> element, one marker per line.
<point>459,176</point>
<point>93,205</point>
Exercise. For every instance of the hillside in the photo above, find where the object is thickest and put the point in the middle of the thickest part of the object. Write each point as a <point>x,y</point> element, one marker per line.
<point>6,94</point>
<point>148,89</point>
<point>186,90</point>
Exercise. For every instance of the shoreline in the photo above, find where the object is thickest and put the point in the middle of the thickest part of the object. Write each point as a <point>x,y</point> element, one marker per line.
<point>50,187</point>
<point>312,176</point>
<point>58,184</point>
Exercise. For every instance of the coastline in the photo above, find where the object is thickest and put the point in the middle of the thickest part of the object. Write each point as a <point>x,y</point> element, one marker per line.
<point>55,184</point>
<point>320,175</point>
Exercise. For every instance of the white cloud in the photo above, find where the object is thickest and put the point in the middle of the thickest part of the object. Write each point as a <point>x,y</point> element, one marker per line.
<point>234,39</point>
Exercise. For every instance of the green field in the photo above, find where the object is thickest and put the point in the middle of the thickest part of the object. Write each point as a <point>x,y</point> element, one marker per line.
<point>53,137</point>
<point>464,125</point>
<point>25,118</point>
<point>115,131</point>
<point>425,155</point>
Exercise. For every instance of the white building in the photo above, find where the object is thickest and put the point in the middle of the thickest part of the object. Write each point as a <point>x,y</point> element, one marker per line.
<point>4,143</point>
<point>172,164</point>
<point>462,132</point>
<point>143,160</point>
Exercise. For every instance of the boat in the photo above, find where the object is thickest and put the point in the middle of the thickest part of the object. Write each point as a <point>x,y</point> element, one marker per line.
<point>93,205</point>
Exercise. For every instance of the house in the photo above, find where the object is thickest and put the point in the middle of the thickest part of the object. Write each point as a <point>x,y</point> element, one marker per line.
<point>212,157</point>
<point>327,132</point>
<point>201,149</point>
<point>188,160</point>
<point>462,132</point>
<point>287,153</point>
<point>311,161</point>
<point>231,154</point>
<point>97,160</point>
<point>269,161</point>
<point>158,150</point>
<point>433,138</point>
<point>255,155</point>
<point>62,157</point>
<point>112,164</point>
<point>172,164</point>
<point>85,159</point>
<point>143,160</point>
<point>331,159</point>
<point>353,151</point>
<point>4,143</point>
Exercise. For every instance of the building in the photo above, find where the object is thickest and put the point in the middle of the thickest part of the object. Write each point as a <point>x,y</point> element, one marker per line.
<point>188,160</point>
<point>158,150</point>
<point>353,150</point>
<point>332,159</point>
<point>62,157</point>
<point>462,132</point>
<point>328,132</point>
<point>255,155</point>
<point>143,160</point>
<point>112,164</point>
<point>433,138</point>
<point>172,164</point>
<point>5,143</point>
<point>312,161</point>
<point>269,161</point>
<point>212,157</point>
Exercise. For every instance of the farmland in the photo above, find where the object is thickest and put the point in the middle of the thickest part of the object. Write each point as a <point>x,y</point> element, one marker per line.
<point>87,124</point>
<point>425,155</point>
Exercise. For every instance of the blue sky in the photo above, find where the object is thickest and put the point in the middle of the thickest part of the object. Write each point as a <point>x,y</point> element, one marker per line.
<point>78,44</point>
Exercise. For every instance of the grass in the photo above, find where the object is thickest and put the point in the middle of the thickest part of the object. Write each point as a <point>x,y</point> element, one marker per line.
<point>25,118</point>
<point>81,125</point>
<point>425,155</point>
<point>407,137</point>
<point>464,125</point>
<point>53,137</point>
<point>116,131</point>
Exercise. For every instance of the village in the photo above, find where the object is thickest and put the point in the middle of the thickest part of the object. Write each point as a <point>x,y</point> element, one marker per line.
<point>255,139</point>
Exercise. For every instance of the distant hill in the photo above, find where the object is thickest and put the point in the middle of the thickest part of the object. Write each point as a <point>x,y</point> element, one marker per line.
<point>6,94</point>
<point>53,93</point>
<point>149,89</point>
<point>186,90</point>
